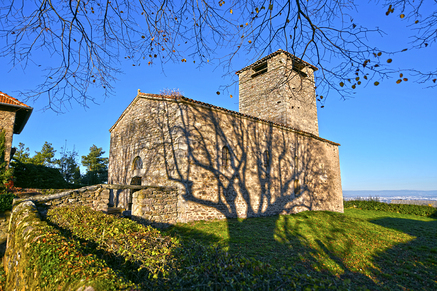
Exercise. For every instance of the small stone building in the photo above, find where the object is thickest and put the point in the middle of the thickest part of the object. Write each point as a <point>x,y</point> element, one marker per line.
<point>264,160</point>
<point>13,117</point>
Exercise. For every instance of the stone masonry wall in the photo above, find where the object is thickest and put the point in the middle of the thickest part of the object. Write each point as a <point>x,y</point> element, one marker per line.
<point>281,95</point>
<point>95,197</point>
<point>25,218</point>
<point>100,198</point>
<point>7,120</point>
<point>24,223</point>
<point>180,144</point>
<point>148,132</point>
<point>156,206</point>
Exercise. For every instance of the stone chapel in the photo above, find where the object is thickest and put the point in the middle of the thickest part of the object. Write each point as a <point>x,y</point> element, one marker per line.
<point>266,159</point>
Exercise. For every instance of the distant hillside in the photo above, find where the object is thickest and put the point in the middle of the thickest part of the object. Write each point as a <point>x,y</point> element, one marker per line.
<point>388,195</point>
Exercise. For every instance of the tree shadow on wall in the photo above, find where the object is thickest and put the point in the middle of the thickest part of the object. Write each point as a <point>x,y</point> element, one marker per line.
<point>267,171</point>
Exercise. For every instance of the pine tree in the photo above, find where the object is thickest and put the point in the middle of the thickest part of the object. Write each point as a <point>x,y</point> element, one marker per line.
<point>68,166</point>
<point>5,173</point>
<point>22,154</point>
<point>97,166</point>
<point>46,156</point>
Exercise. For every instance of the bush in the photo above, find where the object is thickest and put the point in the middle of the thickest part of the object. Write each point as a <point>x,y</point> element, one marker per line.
<point>142,255</point>
<point>50,261</point>
<point>135,250</point>
<point>38,176</point>
<point>6,201</point>
<point>5,173</point>
<point>374,204</point>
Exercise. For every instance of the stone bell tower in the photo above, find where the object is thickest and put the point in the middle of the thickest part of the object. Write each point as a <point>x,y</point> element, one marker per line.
<point>280,88</point>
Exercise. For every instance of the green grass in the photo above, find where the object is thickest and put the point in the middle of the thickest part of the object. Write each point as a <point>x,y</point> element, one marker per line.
<point>375,249</point>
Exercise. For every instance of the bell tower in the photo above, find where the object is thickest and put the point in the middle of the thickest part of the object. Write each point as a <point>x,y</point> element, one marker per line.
<point>280,88</point>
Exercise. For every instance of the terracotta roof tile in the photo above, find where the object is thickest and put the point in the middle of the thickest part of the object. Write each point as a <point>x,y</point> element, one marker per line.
<point>185,99</point>
<point>279,51</point>
<point>5,98</point>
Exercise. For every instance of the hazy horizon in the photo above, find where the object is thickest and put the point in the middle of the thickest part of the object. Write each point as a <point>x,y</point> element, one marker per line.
<point>388,195</point>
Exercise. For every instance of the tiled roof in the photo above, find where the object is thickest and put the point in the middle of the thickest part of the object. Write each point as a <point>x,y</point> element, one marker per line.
<point>188,100</point>
<point>279,51</point>
<point>5,98</point>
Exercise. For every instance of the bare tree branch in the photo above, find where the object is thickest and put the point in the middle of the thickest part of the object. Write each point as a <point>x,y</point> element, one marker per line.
<point>87,39</point>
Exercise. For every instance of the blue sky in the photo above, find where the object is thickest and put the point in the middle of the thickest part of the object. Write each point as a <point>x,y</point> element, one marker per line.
<point>387,133</point>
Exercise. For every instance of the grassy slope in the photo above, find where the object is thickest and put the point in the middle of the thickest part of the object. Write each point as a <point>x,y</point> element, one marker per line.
<point>370,248</point>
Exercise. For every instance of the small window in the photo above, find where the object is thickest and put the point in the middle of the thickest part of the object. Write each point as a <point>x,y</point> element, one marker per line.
<point>137,164</point>
<point>226,157</point>
<point>296,187</point>
<point>259,69</point>
<point>135,181</point>
<point>266,159</point>
<point>295,163</point>
<point>298,68</point>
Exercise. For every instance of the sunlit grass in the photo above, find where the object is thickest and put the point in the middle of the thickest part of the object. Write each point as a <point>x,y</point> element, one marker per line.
<point>371,248</point>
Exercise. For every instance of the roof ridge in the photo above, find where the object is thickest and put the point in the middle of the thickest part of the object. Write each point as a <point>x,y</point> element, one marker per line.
<point>274,54</point>
<point>182,98</point>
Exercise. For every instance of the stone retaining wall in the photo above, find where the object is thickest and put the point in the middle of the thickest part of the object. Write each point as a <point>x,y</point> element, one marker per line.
<point>98,197</point>
<point>151,204</point>
<point>25,219</point>
<point>157,206</point>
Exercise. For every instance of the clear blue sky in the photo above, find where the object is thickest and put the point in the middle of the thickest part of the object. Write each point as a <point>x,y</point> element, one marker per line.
<point>387,133</point>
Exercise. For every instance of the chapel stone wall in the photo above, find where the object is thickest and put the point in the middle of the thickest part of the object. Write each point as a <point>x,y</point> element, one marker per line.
<point>283,94</point>
<point>271,169</point>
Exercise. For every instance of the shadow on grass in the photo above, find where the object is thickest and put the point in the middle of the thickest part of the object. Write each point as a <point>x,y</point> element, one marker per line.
<point>413,264</point>
<point>277,242</point>
<point>125,269</point>
<point>349,252</point>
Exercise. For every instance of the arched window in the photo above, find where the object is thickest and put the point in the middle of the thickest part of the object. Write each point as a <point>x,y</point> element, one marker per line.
<point>135,181</point>
<point>226,157</point>
<point>137,163</point>
<point>266,158</point>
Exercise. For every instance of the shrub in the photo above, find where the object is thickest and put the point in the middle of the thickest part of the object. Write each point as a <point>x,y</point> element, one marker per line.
<point>6,201</point>
<point>37,176</point>
<point>5,173</point>
<point>374,204</point>
<point>135,250</point>
<point>51,261</point>
<point>152,261</point>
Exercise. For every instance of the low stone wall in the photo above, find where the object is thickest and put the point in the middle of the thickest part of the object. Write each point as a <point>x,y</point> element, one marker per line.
<point>157,206</point>
<point>98,197</point>
<point>95,197</point>
<point>27,229</point>
<point>25,219</point>
<point>152,205</point>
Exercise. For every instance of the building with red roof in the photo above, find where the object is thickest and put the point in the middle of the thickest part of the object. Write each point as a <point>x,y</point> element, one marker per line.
<point>13,117</point>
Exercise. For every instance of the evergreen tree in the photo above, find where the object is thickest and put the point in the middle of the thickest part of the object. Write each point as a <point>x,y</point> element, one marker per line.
<point>5,173</point>
<point>97,167</point>
<point>45,157</point>
<point>68,166</point>
<point>22,154</point>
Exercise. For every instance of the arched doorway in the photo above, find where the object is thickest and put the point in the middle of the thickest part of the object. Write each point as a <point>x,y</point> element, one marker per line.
<point>134,181</point>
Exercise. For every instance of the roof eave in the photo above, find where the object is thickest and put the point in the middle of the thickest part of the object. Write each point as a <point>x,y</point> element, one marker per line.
<point>274,54</point>
<point>22,116</point>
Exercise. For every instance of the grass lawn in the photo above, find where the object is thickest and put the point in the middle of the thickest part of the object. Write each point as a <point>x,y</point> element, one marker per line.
<point>372,249</point>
